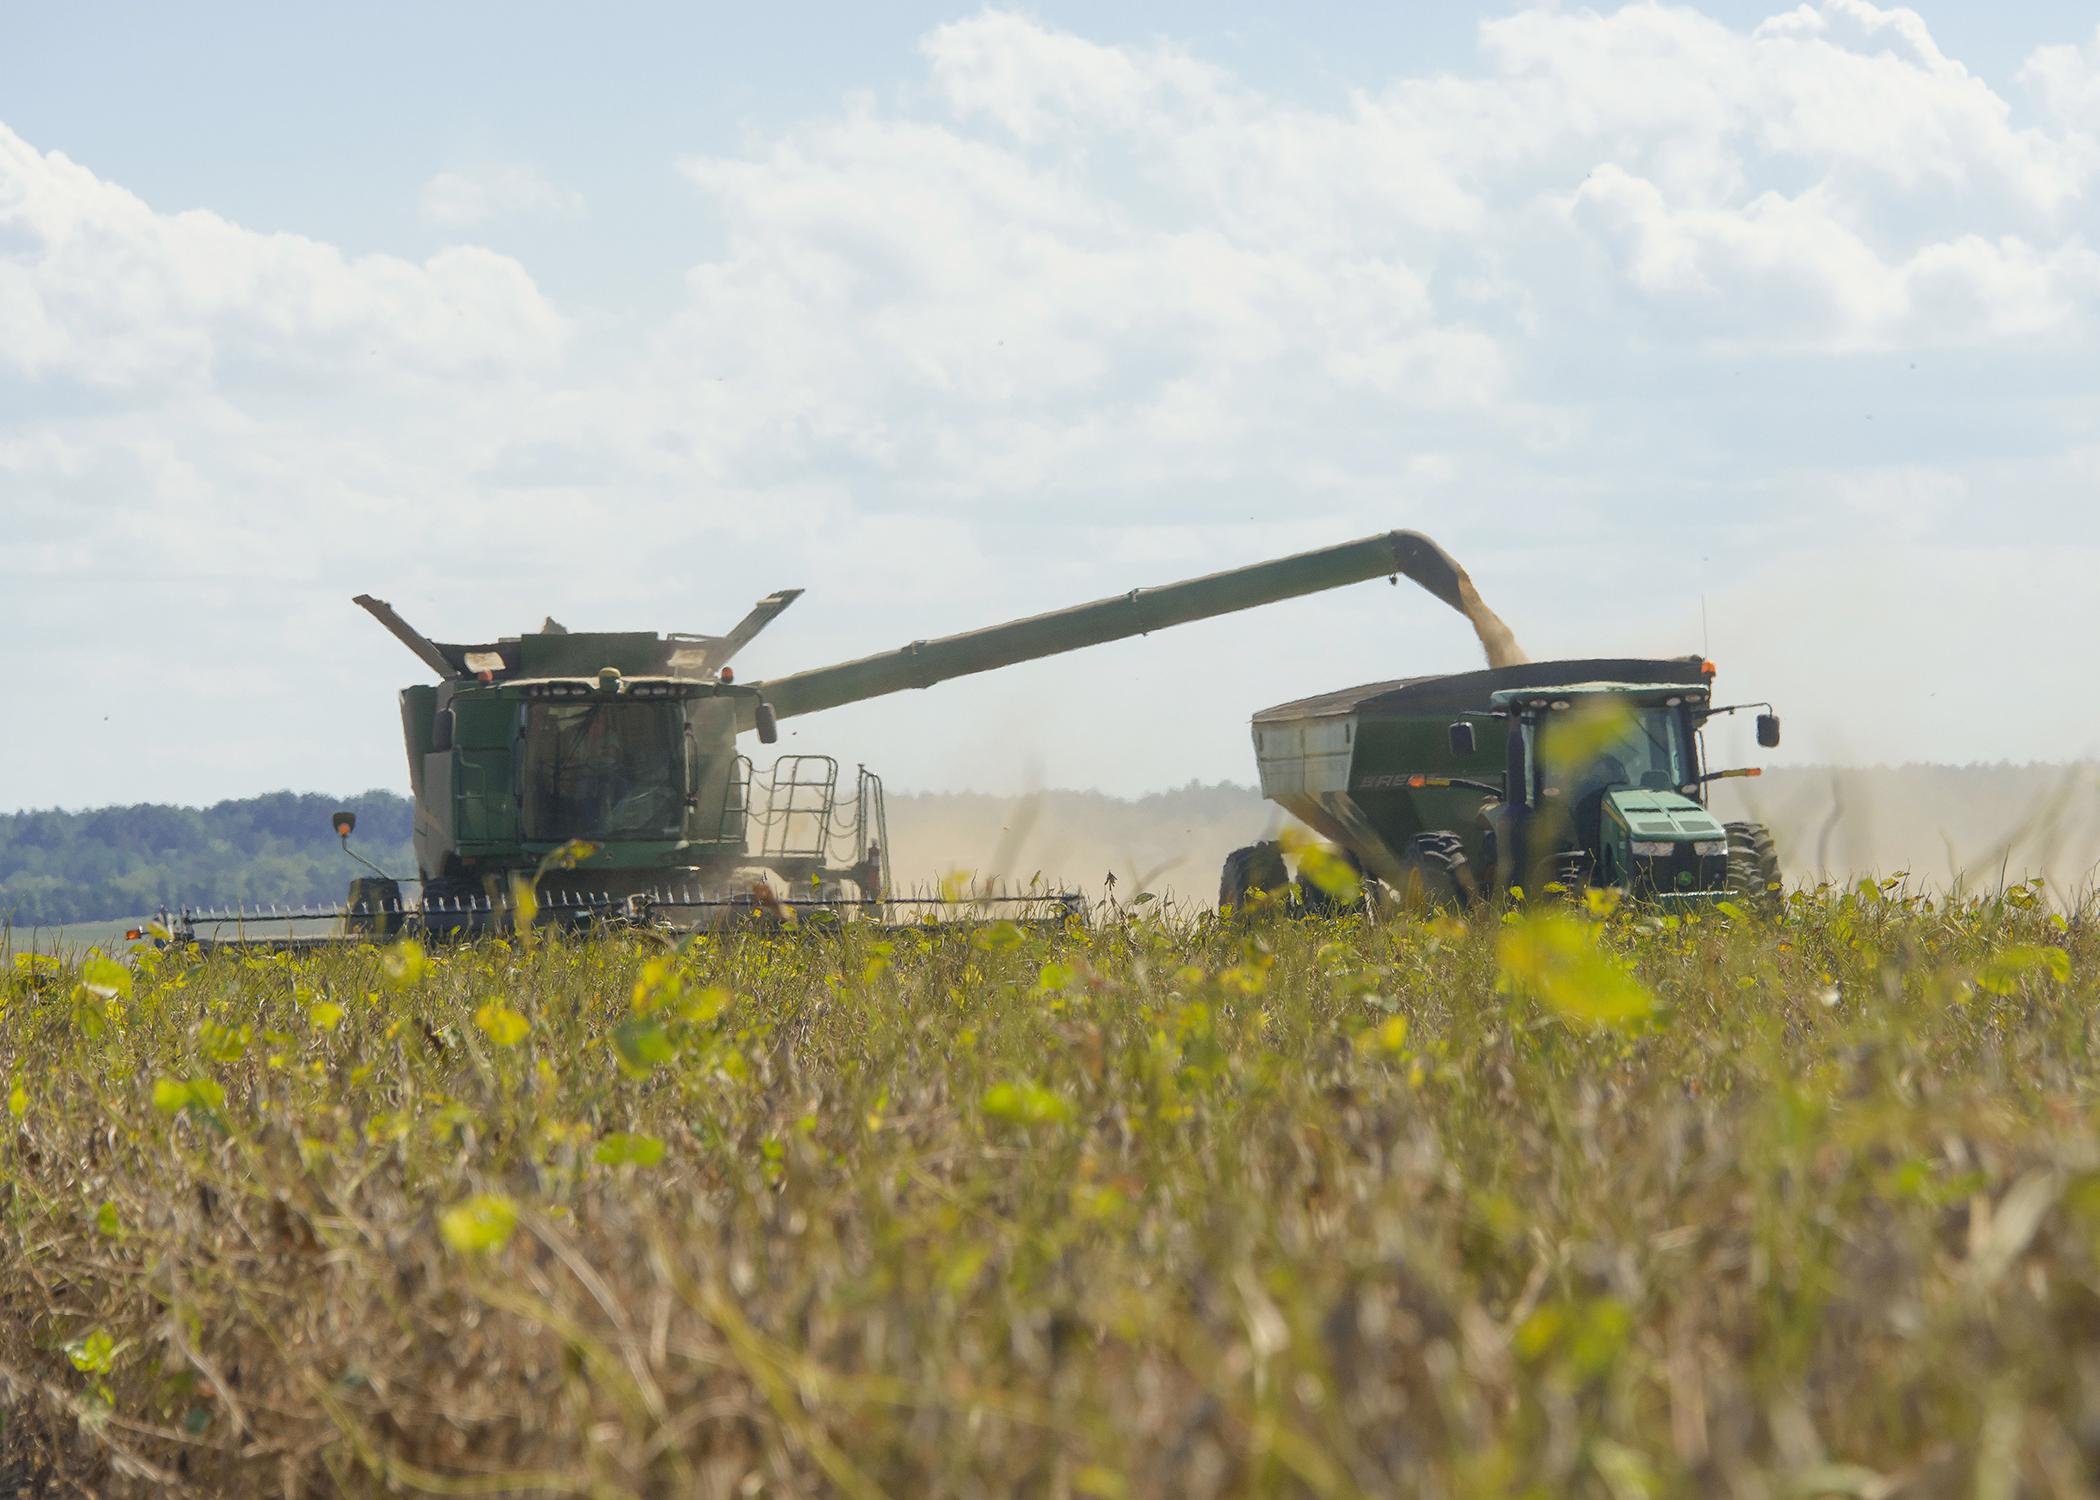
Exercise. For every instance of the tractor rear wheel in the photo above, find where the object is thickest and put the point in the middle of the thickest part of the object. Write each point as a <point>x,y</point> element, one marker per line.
<point>1256,868</point>
<point>1435,871</point>
<point>1753,863</point>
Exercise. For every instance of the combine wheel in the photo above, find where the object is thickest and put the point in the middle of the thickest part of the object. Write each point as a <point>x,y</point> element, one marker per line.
<point>1258,867</point>
<point>1436,872</point>
<point>374,906</point>
<point>450,907</point>
<point>1753,864</point>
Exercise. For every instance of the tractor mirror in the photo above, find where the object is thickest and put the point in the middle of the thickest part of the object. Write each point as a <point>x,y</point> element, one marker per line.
<point>768,726</point>
<point>344,823</point>
<point>1462,742</point>
<point>1768,730</point>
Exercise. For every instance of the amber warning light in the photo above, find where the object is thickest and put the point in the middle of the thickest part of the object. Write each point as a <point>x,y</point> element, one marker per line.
<point>344,823</point>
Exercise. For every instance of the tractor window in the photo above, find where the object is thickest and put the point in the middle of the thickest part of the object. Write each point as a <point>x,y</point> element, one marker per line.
<point>1584,752</point>
<point>603,771</point>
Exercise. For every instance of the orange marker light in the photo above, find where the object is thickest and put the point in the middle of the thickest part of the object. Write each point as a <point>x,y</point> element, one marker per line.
<point>1706,669</point>
<point>1418,781</point>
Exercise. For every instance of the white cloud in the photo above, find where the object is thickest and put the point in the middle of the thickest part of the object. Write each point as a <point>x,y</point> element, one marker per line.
<point>1638,294</point>
<point>98,287</point>
<point>463,199</point>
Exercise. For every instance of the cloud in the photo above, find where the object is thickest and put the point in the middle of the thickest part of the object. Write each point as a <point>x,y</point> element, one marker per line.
<point>461,200</point>
<point>1633,295</point>
<point>99,288</point>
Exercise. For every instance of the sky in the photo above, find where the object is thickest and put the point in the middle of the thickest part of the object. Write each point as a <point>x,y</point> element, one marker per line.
<point>1767,332</point>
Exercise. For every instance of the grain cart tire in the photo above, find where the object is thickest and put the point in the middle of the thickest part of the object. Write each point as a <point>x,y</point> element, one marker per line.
<point>1434,871</point>
<point>1315,901</point>
<point>1257,867</point>
<point>1753,864</point>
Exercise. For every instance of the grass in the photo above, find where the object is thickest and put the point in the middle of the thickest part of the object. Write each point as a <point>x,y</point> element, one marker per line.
<point>1543,1203</point>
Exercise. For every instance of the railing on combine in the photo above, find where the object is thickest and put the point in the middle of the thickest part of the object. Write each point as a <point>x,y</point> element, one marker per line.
<point>871,827</point>
<point>795,812</point>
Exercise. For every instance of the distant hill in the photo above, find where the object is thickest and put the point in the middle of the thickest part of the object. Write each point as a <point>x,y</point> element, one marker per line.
<point>1932,821</point>
<point>123,862</point>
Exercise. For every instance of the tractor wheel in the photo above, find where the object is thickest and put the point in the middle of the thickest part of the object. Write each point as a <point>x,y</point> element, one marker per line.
<point>1256,868</point>
<point>1316,901</point>
<point>1753,864</point>
<point>1435,871</point>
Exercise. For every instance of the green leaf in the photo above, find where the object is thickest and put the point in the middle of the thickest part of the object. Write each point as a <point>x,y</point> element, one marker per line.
<point>641,1046</point>
<point>502,1025</point>
<point>479,1224</point>
<point>405,964</point>
<point>327,1015</point>
<point>1026,1102</point>
<point>621,1149</point>
<point>93,1354</point>
<point>223,1044</point>
<point>1557,960</point>
<point>657,985</point>
<point>170,1096</point>
<point>2002,974</point>
<point>107,1224</point>
<point>1000,937</point>
<point>107,978</point>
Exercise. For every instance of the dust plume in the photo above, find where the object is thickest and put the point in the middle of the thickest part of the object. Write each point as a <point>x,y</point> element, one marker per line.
<point>1496,638</point>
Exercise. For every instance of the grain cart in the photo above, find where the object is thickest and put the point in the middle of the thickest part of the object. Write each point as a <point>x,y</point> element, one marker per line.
<point>607,765</point>
<point>1453,787</point>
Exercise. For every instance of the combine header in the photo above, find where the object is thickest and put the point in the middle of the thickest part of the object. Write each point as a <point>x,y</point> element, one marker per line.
<point>602,770</point>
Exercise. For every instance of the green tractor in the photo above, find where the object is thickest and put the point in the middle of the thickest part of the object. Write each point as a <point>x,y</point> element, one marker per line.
<point>1453,788</point>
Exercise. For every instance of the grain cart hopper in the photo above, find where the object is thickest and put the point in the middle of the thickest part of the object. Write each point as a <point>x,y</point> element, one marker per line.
<point>628,742</point>
<point>1578,772</point>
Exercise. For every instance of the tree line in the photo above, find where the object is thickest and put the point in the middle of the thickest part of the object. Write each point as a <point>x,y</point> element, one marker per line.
<point>113,863</point>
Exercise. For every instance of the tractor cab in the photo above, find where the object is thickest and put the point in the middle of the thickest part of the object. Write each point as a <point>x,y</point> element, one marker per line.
<point>1606,779</point>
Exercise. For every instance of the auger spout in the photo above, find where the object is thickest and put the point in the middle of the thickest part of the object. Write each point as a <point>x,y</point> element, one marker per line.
<point>1389,554</point>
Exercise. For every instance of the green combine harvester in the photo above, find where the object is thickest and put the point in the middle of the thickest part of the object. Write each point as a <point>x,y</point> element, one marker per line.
<point>605,769</point>
<point>1453,788</point>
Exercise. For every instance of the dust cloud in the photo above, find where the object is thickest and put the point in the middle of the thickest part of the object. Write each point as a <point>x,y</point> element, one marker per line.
<point>1940,825</point>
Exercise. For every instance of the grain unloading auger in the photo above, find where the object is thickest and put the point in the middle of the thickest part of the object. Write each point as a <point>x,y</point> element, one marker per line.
<point>603,767</point>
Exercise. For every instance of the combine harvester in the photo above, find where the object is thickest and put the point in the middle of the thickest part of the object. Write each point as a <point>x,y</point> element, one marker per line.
<point>602,769</point>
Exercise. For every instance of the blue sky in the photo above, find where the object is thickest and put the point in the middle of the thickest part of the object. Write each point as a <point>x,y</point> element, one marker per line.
<point>1764,328</point>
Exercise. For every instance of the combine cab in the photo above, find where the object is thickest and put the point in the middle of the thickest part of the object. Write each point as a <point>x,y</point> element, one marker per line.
<point>1454,787</point>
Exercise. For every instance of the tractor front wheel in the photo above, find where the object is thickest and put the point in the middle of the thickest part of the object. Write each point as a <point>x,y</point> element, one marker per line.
<point>1436,872</point>
<point>1753,864</point>
<point>1256,868</point>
